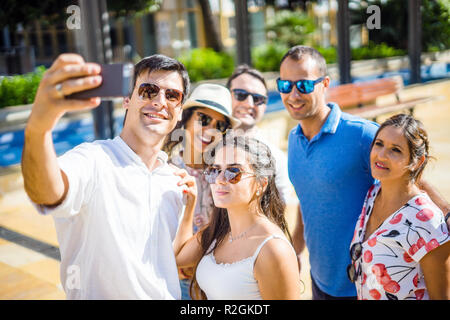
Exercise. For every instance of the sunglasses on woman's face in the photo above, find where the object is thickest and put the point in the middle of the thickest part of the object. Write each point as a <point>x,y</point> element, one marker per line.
<point>205,120</point>
<point>241,95</point>
<point>304,86</point>
<point>148,91</point>
<point>232,174</point>
<point>355,253</point>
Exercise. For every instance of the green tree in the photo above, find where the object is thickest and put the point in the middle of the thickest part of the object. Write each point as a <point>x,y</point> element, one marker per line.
<point>436,24</point>
<point>27,11</point>
<point>125,8</point>
<point>53,11</point>
<point>394,22</point>
<point>290,28</point>
<point>212,35</point>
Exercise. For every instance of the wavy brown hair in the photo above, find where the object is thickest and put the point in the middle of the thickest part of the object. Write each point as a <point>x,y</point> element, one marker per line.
<point>270,203</point>
<point>417,138</point>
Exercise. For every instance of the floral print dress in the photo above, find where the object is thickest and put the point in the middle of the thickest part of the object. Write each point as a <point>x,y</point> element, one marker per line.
<point>388,264</point>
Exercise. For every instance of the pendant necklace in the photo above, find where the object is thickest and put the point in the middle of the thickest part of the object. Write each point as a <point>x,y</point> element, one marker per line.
<point>241,235</point>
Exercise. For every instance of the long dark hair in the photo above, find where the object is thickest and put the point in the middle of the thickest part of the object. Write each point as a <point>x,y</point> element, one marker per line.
<point>270,203</point>
<point>417,137</point>
<point>170,144</point>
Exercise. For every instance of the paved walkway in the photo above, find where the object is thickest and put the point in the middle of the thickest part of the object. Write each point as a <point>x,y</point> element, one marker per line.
<point>34,273</point>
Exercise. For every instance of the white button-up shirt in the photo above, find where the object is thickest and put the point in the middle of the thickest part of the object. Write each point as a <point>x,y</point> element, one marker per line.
<point>117,224</point>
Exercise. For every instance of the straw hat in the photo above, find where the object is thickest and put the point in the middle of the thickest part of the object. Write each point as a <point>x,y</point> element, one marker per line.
<point>214,97</point>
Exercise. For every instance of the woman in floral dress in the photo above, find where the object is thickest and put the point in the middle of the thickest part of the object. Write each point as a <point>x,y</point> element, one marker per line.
<point>401,242</point>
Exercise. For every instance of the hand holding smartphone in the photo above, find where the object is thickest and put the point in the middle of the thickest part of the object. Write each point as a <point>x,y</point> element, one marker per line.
<point>116,82</point>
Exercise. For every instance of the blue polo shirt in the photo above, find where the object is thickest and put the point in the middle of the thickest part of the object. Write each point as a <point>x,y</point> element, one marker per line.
<point>331,176</point>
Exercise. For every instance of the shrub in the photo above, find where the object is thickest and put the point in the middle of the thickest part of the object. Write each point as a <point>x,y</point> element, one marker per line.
<point>375,51</point>
<point>205,63</point>
<point>372,51</point>
<point>20,89</point>
<point>267,57</point>
<point>330,54</point>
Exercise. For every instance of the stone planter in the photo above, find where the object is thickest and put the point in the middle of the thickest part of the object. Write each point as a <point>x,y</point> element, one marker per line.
<point>15,117</point>
<point>10,116</point>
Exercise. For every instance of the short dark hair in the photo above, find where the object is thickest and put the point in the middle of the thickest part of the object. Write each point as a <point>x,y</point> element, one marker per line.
<point>158,62</point>
<point>243,68</point>
<point>298,52</point>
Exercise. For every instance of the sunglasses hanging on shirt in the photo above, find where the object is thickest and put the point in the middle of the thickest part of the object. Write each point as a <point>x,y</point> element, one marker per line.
<point>355,254</point>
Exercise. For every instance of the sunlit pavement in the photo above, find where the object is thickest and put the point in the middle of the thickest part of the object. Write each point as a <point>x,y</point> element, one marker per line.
<point>28,271</point>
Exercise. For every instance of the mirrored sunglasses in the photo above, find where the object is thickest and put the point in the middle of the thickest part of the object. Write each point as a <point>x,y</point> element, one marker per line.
<point>303,86</point>
<point>232,174</point>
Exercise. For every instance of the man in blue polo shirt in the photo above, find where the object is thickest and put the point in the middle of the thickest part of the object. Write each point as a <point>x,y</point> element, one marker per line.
<point>328,164</point>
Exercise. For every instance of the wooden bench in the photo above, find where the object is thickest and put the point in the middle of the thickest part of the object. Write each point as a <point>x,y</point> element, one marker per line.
<point>360,98</point>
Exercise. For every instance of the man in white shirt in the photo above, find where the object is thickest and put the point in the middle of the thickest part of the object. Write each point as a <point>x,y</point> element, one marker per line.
<point>249,100</point>
<point>116,203</point>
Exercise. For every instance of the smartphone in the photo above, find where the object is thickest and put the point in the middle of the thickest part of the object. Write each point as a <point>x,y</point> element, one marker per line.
<point>116,82</point>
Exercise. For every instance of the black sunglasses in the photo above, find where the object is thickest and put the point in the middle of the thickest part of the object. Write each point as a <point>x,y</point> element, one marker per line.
<point>148,91</point>
<point>241,95</point>
<point>205,120</point>
<point>232,174</point>
<point>304,86</point>
<point>355,254</point>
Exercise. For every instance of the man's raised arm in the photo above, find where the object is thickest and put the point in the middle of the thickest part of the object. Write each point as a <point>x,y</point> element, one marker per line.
<point>436,197</point>
<point>45,183</point>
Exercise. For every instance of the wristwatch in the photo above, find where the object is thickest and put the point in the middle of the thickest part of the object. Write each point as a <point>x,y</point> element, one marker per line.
<point>447,216</point>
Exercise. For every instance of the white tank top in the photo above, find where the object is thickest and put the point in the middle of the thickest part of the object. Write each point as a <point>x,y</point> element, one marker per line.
<point>230,281</point>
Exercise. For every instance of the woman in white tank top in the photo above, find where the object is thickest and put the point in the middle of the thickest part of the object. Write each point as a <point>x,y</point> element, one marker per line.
<point>243,252</point>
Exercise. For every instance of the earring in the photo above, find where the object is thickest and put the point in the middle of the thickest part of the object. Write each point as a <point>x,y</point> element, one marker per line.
<point>258,193</point>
